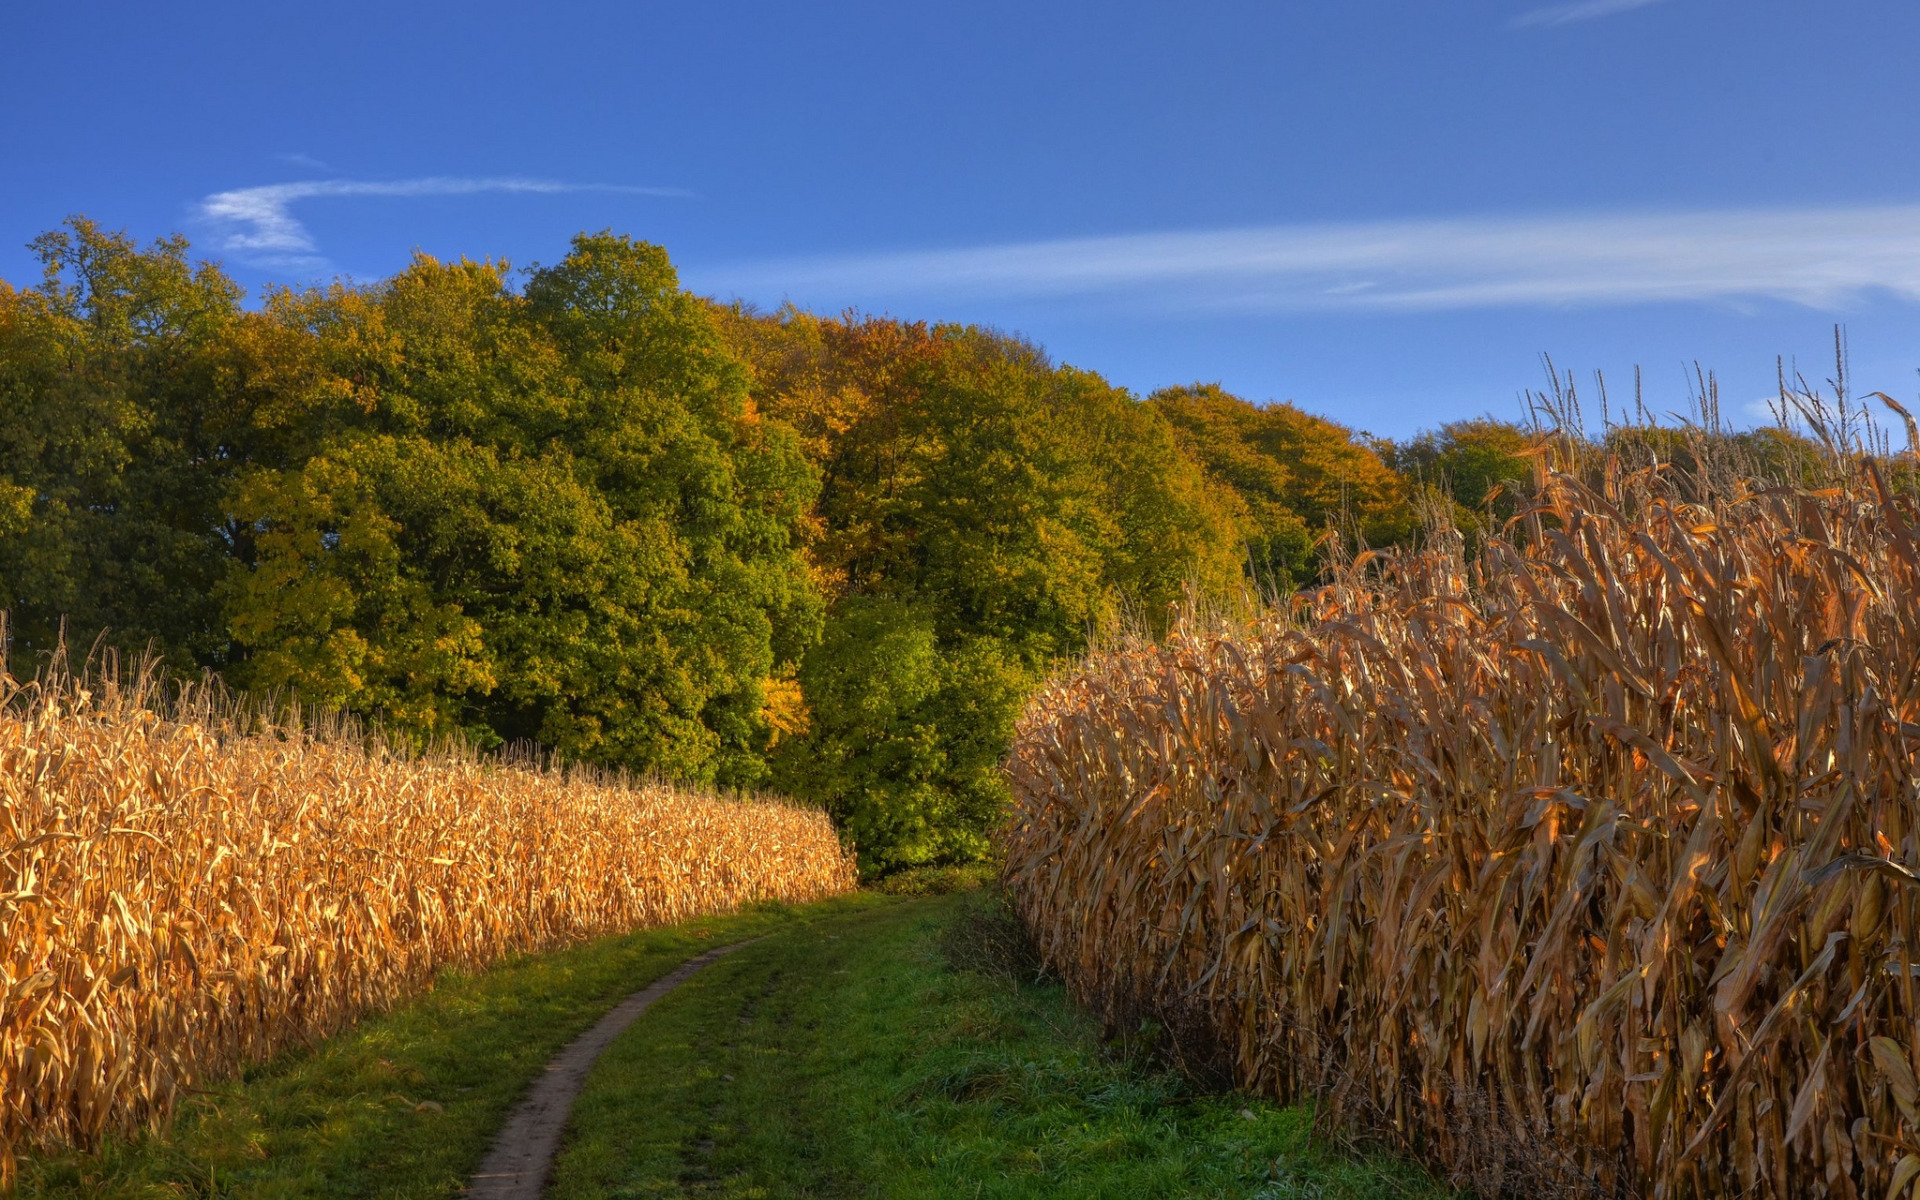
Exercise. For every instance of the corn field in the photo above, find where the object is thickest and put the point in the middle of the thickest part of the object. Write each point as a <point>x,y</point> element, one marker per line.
<point>182,895</point>
<point>1582,866</point>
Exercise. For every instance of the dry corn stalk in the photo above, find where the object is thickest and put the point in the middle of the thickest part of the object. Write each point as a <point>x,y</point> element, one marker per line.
<point>1587,867</point>
<point>177,899</point>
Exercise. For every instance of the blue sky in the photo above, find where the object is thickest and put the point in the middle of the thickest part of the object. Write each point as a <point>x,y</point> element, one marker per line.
<point>1385,211</point>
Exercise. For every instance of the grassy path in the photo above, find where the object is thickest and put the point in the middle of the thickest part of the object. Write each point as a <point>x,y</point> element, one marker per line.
<point>523,1150</point>
<point>845,1055</point>
<point>402,1106</point>
<point>849,1058</point>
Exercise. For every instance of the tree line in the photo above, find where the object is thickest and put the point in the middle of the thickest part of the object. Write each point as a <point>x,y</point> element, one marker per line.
<point>581,507</point>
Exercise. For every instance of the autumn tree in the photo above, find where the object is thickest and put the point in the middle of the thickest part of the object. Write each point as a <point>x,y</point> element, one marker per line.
<point>1295,476</point>
<point>555,518</point>
<point>547,513</point>
<point>579,507</point>
<point>1481,469</point>
<point>982,509</point>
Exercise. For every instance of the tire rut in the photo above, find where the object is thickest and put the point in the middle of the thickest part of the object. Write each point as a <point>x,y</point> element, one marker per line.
<point>517,1166</point>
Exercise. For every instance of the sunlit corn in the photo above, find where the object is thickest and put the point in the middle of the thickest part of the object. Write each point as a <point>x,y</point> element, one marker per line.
<point>1582,867</point>
<point>179,897</point>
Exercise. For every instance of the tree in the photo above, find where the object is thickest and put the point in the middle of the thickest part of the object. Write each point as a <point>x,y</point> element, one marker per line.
<point>906,739</point>
<point>1295,475</point>
<point>552,516</point>
<point>1483,468</point>
<point>982,510</point>
<point>582,508</point>
<point>130,381</point>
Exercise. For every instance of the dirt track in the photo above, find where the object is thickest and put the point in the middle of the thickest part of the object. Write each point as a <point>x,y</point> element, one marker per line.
<point>517,1165</point>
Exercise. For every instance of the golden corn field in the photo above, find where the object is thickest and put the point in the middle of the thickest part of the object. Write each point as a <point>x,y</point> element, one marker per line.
<point>1584,866</point>
<point>178,897</point>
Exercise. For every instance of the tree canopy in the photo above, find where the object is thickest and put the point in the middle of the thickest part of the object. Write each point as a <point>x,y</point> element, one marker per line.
<point>548,514</point>
<point>577,506</point>
<point>982,510</point>
<point>1296,477</point>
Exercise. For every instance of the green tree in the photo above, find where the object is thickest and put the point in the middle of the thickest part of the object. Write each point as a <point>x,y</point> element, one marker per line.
<point>982,510</point>
<point>906,739</point>
<point>550,516</point>
<point>1295,476</point>
<point>130,382</point>
<point>1014,498</point>
<point>1483,468</point>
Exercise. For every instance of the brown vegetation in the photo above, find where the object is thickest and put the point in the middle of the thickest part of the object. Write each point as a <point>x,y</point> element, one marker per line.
<point>1582,866</point>
<point>180,895</point>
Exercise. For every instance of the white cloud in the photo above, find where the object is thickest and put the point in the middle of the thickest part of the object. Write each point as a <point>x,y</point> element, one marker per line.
<point>1823,258</point>
<point>260,226</point>
<point>1765,410</point>
<point>1585,10</point>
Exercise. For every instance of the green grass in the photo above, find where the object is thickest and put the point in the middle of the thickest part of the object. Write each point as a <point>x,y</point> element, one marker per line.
<point>404,1104</point>
<point>937,881</point>
<point>849,1058</point>
<point>842,1056</point>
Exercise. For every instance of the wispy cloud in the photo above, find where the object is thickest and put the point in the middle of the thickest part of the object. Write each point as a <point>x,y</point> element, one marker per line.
<point>258,224</point>
<point>1824,258</point>
<point>1584,10</point>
